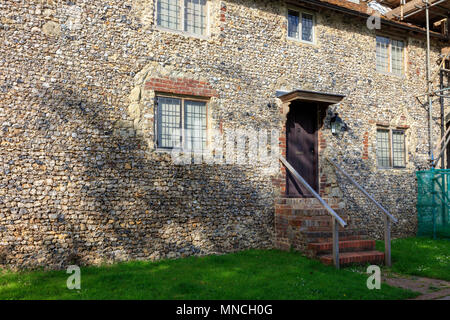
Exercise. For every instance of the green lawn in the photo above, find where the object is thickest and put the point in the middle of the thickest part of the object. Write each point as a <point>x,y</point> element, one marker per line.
<point>253,274</point>
<point>420,257</point>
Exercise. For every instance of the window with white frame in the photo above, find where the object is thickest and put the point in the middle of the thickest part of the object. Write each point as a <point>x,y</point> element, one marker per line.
<point>181,123</point>
<point>182,15</point>
<point>390,55</point>
<point>391,148</point>
<point>300,25</point>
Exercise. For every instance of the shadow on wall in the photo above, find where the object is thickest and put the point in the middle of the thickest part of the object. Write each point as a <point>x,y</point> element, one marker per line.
<point>365,214</point>
<point>95,194</point>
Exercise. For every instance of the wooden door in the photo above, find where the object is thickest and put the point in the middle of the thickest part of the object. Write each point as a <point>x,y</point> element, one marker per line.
<point>301,151</point>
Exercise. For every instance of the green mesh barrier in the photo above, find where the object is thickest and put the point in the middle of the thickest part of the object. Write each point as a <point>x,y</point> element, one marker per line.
<point>433,203</point>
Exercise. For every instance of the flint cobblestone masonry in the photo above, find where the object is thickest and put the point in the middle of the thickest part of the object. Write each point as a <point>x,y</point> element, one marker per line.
<point>81,180</point>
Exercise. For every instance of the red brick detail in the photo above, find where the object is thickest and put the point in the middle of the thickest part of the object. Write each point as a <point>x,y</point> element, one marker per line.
<point>223,10</point>
<point>181,86</point>
<point>365,155</point>
<point>322,141</point>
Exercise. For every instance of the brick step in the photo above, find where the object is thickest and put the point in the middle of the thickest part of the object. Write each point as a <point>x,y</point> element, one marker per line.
<point>316,213</point>
<point>361,257</point>
<point>326,236</point>
<point>308,203</point>
<point>307,212</point>
<point>316,228</point>
<point>344,246</point>
<point>323,220</point>
<point>317,225</point>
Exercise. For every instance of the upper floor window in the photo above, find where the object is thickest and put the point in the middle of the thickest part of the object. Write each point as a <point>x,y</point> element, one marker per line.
<point>300,26</point>
<point>391,148</point>
<point>182,15</point>
<point>390,55</point>
<point>181,123</point>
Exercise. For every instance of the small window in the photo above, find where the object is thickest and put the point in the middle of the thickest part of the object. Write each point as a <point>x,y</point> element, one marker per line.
<point>390,55</point>
<point>293,24</point>
<point>383,149</point>
<point>398,148</point>
<point>307,27</point>
<point>182,15</point>
<point>300,26</point>
<point>391,148</point>
<point>173,114</point>
<point>397,57</point>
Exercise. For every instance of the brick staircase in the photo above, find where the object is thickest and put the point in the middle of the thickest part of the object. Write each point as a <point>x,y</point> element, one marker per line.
<point>302,224</point>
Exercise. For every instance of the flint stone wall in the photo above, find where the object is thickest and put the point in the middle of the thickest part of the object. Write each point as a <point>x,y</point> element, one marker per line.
<point>81,180</point>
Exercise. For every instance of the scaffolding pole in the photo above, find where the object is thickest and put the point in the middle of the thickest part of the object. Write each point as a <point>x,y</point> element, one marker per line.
<point>441,102</point>
<point>430,101</point>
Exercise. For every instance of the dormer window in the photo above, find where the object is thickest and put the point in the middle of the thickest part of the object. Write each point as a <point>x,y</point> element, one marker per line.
<point>300,26</point>
<point>189,16</point>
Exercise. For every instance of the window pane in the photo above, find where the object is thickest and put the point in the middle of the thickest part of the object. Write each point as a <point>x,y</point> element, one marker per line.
<point>195,16</point>
<point>168,14</point>
<point>383,148</point>
<point>397,56</point>
<point>398,148</point>
<point>382,54</point>
<point>169,122</point>
<point>293,24</point>
<point>195,125</point>
<point>307,27</point>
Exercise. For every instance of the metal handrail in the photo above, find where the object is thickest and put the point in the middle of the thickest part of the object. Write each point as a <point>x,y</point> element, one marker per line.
<point>314,193</point>
<point>356,184</point>
<point>387,216</point>
<point>336,220</point>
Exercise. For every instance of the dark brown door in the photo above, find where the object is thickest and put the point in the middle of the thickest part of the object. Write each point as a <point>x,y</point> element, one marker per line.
<point>301,153</point>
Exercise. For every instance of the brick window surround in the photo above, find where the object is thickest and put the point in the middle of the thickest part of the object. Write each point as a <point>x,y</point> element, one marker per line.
<point>181,86</point>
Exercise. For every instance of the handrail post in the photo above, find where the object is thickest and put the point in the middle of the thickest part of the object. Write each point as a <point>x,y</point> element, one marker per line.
<point>387,241</point>
<point>388,218</point>
<point>335,242</point>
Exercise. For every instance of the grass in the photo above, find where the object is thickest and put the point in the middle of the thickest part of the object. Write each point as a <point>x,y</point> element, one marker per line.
<point>252,274</point>
<point>420,257</point>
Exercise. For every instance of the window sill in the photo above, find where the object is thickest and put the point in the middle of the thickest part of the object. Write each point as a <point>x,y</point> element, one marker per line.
<point>183,33</point>
<point>312,43</point>
<point>181,152</point>
<point>392,168</point>
<point>402,77</point>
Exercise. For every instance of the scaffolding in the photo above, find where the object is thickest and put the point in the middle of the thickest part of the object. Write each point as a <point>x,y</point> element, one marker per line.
<point>438,13</point>
<point>433,198</point>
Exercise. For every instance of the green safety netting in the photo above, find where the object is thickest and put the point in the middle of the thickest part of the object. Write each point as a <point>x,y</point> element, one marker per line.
<point>433,203</point>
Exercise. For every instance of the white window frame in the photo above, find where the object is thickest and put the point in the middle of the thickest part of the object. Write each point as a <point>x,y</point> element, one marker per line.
<point>300,12</point>
<point>404,55</point>
<point>182,99</point>
<point>182,32</point>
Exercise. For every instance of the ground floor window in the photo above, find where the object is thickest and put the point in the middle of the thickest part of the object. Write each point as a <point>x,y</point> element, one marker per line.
<point>391,148</point>
<point>181,123</point>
